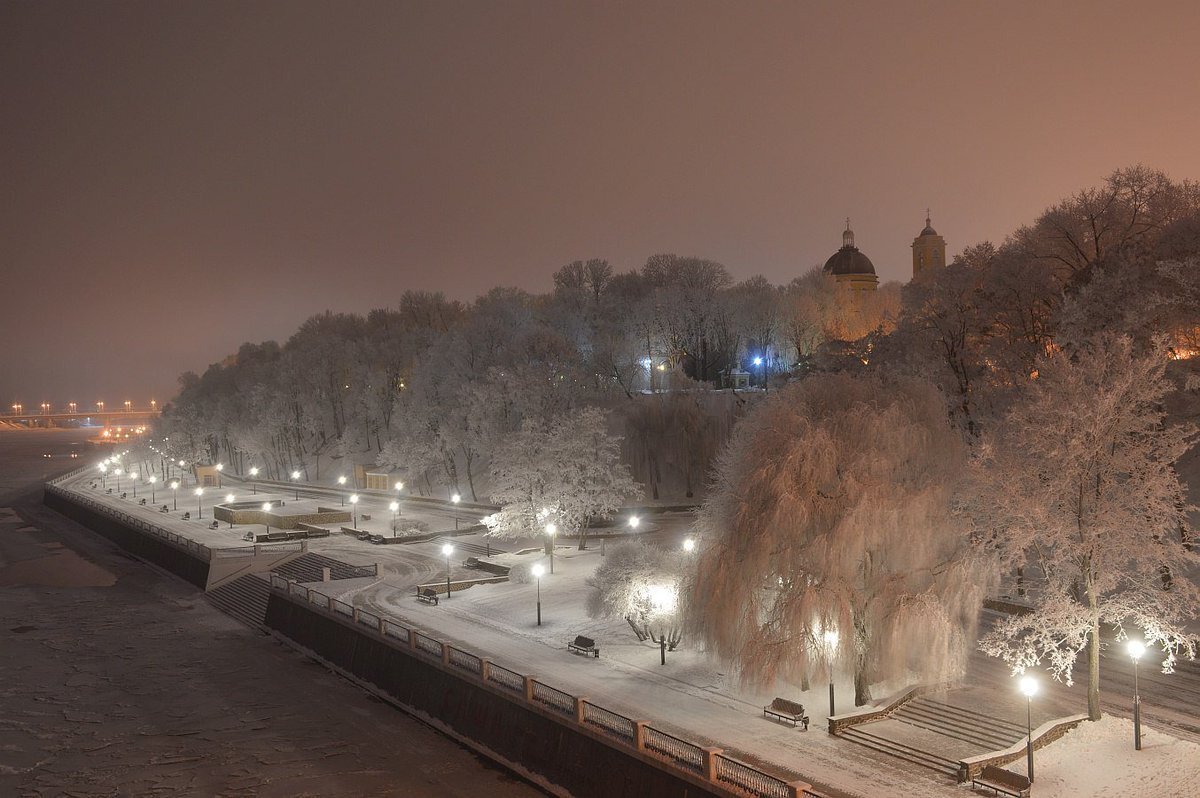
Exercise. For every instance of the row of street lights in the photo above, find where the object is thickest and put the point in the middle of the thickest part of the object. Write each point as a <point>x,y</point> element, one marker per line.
<point>73,407</point>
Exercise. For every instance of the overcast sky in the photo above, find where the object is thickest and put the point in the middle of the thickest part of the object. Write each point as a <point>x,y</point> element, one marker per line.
<point>179,177</point>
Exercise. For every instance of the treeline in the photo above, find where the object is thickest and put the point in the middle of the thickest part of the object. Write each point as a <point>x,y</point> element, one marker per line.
<point>431,385</point>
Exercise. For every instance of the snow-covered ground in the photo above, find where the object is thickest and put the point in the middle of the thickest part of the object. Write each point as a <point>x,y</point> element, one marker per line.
<point>1099,759</point>
<point>691,695</point>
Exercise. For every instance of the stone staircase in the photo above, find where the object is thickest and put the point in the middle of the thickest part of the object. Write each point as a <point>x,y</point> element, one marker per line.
<point>307,568</point>
<point>245,598</point>
<point>935,734</point>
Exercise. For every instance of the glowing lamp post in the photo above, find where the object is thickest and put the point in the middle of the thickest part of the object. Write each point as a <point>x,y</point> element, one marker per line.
<point>1029,688</point>
<point>1136,649</point>
<point>220,468</point>
<point>551,531</point>
<point>296,479</point>
<point>266,508</point>
<point>134,477</point>
<point>199,503</point>
<point>662,599</point>
<point>103,475</point>
<point>689,545</point>
<point>152,480</point>
<point>831,640</point>
<point>117,473</point>
<point>447,550</point>
<point>229,500</point>
<point>394,507</point>
<point>342,483</point>
<point>253,479</point>
<point>455,499</point>
<point>175,495</point>
<point>354,510</point>
<point>634,522</point>
<point>538,570</point>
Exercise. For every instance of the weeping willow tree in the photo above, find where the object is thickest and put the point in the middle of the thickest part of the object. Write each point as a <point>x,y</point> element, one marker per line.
<point>830,545</point>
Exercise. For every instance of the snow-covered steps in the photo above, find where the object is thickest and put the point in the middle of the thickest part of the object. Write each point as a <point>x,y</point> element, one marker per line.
<point>244,599</point>
<point>864,735</point>
<point>976,728</point>
<point>308,567</point>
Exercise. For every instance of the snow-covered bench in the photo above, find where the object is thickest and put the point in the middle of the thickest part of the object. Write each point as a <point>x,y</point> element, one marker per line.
<point>584,645</point>
<point>786,711</point>
<point>427,596</point>
<point>1004,781</point>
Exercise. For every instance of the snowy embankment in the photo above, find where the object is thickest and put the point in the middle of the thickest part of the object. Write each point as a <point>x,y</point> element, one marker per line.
<point>1098,759</point>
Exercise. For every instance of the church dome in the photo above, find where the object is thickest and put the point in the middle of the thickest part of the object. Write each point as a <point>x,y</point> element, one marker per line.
<point>928,231</point>
<point>848,260</point>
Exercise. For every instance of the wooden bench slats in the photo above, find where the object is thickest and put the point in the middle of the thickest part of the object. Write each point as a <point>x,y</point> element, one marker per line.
<point>788,711</point>
<point>584,645</point>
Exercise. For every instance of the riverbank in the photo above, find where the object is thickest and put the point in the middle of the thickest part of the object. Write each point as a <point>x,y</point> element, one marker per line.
<point>120,680</point>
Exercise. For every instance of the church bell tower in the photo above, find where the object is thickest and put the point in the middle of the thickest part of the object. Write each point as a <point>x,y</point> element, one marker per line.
<point>929,250</point>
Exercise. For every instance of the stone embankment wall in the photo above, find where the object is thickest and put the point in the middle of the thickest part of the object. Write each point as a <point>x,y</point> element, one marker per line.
<point>242,514</point>
<point>564,756</point>
<point>143,545</point>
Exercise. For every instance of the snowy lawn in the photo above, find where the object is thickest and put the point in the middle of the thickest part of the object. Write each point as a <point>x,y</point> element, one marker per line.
<point>1097,759</point>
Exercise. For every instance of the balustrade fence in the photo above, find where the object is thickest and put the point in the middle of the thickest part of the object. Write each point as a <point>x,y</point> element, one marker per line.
<point>707,764</point>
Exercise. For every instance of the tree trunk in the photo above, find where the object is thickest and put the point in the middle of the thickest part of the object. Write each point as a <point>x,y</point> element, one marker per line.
<point>1093,654</point>
<point>862,690</point>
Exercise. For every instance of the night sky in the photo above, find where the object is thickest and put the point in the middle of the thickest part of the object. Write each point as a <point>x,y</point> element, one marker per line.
<point>179,177</point>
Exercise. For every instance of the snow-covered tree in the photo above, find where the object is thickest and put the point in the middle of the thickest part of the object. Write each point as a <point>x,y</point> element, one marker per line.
<point>645,585</point>
<point>831,513</point>
<point>566,472</point>
<point>1079,486</point>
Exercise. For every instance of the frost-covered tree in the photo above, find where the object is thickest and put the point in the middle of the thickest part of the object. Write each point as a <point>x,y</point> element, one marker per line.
<point>831,512</point>
<point>1079,486</point>
<point>644,585</point>
<point>566,472</point>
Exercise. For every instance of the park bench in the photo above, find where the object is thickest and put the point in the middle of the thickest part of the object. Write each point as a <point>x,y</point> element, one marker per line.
<point>584,645</point>
<point>427,596</point>
<point>213,525</point>
<point>124,494</point>
<point>187,516</point>
<point>164,509</point>
<point>786,711</point>
<point>141,502</point>
<point>1004,781</point>
<point>364,516</point>
<point>108,491</point>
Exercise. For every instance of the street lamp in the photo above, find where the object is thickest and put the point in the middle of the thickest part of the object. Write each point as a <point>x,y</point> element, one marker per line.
<point>342,482</point>
<point>831,640</point>
<point>199,503</point>
<point>394,506</point>
<point>103,475</point>
<point>100,406</point>
<point>175,495</point>
<point>634,521</point>
<point>1029,687</point>
<point>296,479</point>
<point>134,476</point>
<point>1136,649</point>
<point>538,570</point>
<point>447,549</point>
<point>72,406</point>
<point>354,510</point>
<point>152,479</point>
<point>229,500</point>
<point>220,468</point>
<point>117,473</point>
<point>128,405</point>
<point>689,545</point>
<point>253,477</point>
<point>551,530</point>
<point>455,499</point>
<point>266,508</point>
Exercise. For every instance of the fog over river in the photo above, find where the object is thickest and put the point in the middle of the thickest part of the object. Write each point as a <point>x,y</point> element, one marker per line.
<point>119,680</point>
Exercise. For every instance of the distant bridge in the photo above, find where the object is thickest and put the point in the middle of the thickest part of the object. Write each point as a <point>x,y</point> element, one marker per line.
<point>106,417</point>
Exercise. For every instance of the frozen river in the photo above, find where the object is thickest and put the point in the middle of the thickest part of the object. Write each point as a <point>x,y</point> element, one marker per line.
<point>117,680</point>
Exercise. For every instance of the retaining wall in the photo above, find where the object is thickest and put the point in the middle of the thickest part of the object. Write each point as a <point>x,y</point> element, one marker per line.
<point>566,756</point>
<point>140,544</point>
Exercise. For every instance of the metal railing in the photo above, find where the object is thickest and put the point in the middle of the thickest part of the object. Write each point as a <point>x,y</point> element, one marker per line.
<point>751,779</point>
<point>733,776</point>
<point>554,698</point>
<point>609,722</point>
<point>688,756</point>
<point>464,660</point>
